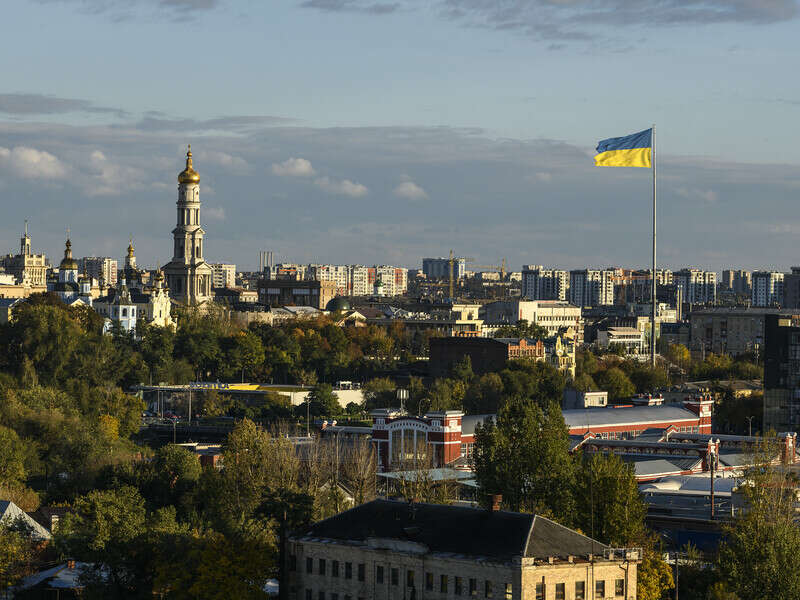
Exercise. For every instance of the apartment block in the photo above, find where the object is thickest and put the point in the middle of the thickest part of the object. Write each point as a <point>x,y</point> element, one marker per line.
<point>100,268</point>
<point>439,268</point>
<point>539,283</point>
<point>592,287</point>
<point>696,286</point>
<point>767,288</point>
<point>223,275</point>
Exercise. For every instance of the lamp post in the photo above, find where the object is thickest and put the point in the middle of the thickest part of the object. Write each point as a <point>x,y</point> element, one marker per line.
<point>750,425</point>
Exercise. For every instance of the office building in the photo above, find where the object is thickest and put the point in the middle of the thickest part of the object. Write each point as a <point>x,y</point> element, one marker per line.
<point>767,288</point>
<point>27,267</point>
<point>287,292</point>
<point>728,330</point>
<point>554,315</point>
<point>791,289</point>
<point>782,372</point>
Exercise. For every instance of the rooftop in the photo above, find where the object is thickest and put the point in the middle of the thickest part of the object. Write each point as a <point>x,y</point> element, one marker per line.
<point>472,532</point>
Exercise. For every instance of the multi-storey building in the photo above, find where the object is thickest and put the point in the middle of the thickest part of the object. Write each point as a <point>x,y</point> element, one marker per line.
<point>637,285</point>
<point>223,275</point>
<point>767,288</point>
<point>544,284</point>
<point>390,550</point>
<point>554,315</point>
<point>791,289</point>
<point>782,372</point>
<point>101,268</point>
<point>591,287</point>
<point>362,280</point>
<point>285,271</point>
<point>188,274</point>
<point>287,292</point>
<point>27,267</point>
<point>728,330</point>
<point>439,268</point>
<point>339,274</point>
<point>696,286</point>
<point>737,281</point>
<point>392,280</point>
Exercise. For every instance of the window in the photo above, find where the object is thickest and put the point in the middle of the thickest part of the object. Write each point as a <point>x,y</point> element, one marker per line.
<point>361,569</point>
<point>580,590</point>
<point>395,577</point>
<point>334,596</point>
<point>561,591</point>
<point>473,587</point>
<point>457,586</point>
<point>293,562</point>
<point>124,312</point>
<point>619,587</point>
<point>487,589</point>
<point>443,584</point>
<point>429,581</point>
<point>308,595</point>
<point>348,570</point>
<point>379,574</point>
<point>410,578</point>
<point>321,596</point>
<point>600,589</point>
<point>334,568</point>
<point>540,591</point>
<point>322,566</point>
<point>309,565</point>
<point>508,591</point>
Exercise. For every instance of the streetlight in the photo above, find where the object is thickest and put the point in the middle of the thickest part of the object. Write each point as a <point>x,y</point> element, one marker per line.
<point>750,425</point>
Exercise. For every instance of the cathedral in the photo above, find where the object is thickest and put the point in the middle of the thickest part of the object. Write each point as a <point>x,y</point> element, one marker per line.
<point>188,275</point>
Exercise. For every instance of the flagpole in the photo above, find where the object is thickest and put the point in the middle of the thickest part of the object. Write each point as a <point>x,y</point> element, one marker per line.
<point>653,313</point>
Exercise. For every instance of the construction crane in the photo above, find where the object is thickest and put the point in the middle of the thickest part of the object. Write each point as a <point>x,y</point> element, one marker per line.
<point>451,261</point>
<point>499,268</point>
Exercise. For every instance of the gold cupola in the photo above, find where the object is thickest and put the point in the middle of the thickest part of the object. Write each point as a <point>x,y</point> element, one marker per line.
<point>189,175</point>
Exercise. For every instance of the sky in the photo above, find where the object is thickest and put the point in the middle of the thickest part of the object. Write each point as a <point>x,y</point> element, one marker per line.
<point>383,131</point>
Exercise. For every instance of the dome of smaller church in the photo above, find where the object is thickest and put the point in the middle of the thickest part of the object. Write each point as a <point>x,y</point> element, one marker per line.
<point>68,263</point>
<point>338,304</point>
<point>189,175</point>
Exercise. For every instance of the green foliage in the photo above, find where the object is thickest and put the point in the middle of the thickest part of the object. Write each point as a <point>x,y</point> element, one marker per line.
<point>323,402</point>
<point>609,503</point>
<point>522,329</point>
<point>585,383</point>
<point>12,458</point>
<point>616,383</point>
<point>379,393</point>
<point>16,552</point>
<point>524,456</point>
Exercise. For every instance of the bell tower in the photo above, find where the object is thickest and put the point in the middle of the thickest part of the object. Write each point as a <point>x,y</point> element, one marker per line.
<point>188,275</point>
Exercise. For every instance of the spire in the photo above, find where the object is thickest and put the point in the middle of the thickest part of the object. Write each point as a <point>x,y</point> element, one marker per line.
<point>189,175</point>
<point>130,247</point>
<point>26,227</point>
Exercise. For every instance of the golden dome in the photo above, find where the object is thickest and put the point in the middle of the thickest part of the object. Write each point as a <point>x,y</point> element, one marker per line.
<point>68,263</point>
<point>189,175</point>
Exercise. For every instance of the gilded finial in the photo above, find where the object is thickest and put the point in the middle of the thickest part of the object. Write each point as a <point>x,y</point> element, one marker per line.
<point>189,175</point>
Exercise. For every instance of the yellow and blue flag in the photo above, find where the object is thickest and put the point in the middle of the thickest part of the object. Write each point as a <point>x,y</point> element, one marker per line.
<point>633,150</point>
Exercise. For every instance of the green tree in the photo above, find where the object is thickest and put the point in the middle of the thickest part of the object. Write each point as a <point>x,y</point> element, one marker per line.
<point>524,456</point>
<point>616,383</point>
<point>609,503</point>
<point>379,393</point>
<point>12,458</point>
<point>323,401</point>
<point>584,383</point>
<point>648,379</point>
<point>760,556</point>
<point>16,553</point>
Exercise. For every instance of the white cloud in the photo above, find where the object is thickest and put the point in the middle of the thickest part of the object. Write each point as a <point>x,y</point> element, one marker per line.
<point>106,178</point>
<point>293,167</point>
<point>343,187</point>
<point>410,191</point>
<point>214,213</point>
<point>221,158</point>
<point>31,163</point>
<point>707,196</point>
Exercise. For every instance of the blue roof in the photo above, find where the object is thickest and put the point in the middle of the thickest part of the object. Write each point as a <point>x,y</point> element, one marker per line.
<point>610,416</point>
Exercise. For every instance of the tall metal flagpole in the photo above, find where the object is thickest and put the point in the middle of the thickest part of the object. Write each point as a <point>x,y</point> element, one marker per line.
<point>653,314</point>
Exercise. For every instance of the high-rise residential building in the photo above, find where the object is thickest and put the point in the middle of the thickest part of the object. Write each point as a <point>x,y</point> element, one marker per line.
<point>362,280</point>
<point>782,372</point>
<point>101,268</point>
<point>439,268</point>
<point>696,286</point>
<point>392,280</point>
<point>188,274</point>
<point>290,271</point>
<point>539,283</point>
<point>223,275</point>
<point>632,286</point>
<point>591,287</point>
<point>339,274</point>
<point>767,288</point>
<point>737,281</point>
<point>26,266</point>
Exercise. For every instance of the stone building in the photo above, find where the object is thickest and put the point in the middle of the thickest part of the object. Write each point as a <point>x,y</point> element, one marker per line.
<point>188,274</point>
<point>27,267</point>
<point>388,550</point>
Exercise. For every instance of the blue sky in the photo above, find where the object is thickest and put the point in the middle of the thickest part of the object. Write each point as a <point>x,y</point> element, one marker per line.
<point>384,131</point>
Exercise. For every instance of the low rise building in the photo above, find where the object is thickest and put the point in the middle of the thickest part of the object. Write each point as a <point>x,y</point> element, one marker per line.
<point>630,338</point>
<point>388,550</point>
<point>555,316</point>
<point>287,292</point>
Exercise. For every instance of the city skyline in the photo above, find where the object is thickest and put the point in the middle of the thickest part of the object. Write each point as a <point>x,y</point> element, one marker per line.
<point>303,154</point>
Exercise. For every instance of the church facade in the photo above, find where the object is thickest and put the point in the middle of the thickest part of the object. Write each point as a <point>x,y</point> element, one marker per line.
<point>189,276</point>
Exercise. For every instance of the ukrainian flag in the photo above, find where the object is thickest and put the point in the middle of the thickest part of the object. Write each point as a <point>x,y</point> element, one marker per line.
<point>633,150</point>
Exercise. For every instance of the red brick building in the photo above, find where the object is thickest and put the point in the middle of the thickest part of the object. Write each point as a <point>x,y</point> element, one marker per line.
<point>451,434</point>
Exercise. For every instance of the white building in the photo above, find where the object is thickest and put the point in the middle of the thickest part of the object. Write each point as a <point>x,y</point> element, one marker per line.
<point>394,280</point>
<point>629,337</point>
<point>591,287</point>
<point>767,288</point>
<point>223,275</point>
<point>439,268</point>
<point>339,274</point>
<point>362,280</point>
<point>696,286</point>
<point>101,268</point>
<point>554,315</point>
<point>539,283</point>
